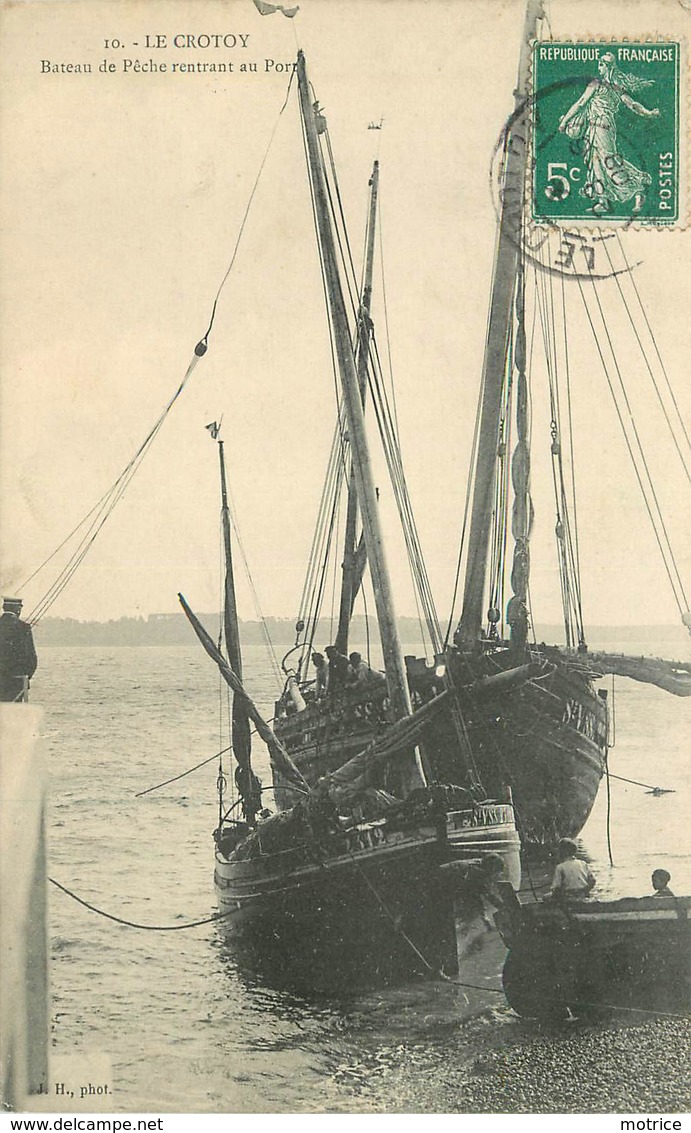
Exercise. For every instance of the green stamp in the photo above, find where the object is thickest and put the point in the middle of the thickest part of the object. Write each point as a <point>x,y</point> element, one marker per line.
<point>606,133</point>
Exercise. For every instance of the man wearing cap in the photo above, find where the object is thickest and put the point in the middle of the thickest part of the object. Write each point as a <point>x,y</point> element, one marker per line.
<point>18,659</point>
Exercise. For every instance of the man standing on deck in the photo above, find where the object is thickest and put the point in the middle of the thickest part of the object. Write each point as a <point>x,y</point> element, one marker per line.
<point>339,667</point>
<point>18,659</point>
<point>322,672</point>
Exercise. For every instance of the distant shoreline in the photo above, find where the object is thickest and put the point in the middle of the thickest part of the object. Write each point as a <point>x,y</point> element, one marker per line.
<point>173,629</point>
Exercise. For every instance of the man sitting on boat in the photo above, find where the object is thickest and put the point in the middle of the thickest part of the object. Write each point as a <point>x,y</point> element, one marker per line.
<point>661,879</point>
<point>361,674</point>
<point>573,878</point>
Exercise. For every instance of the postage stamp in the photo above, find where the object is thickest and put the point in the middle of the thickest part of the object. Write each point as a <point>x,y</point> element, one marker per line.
<point>607,133</point>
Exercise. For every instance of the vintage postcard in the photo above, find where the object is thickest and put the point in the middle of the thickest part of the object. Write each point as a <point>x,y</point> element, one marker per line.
<point>345,557</point>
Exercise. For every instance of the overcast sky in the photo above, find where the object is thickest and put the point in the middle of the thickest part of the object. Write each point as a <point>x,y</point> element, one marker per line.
<point>122,197</point>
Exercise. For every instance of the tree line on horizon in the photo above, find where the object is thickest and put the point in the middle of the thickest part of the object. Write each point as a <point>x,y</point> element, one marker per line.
<point>174,629</point>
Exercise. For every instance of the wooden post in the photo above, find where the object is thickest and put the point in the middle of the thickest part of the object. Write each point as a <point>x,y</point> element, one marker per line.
<point>24,992</point>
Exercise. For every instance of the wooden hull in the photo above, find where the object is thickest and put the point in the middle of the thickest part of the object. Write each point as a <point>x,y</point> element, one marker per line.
<point>545,739</point>
<point>366,908</point>
<point>591,956</point>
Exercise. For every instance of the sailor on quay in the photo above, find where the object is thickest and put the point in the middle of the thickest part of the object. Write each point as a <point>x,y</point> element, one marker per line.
<point>18,659</point>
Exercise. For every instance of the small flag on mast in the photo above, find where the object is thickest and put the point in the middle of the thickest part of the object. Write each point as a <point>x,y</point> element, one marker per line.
<point>265,9</point>
<point>214,428</point>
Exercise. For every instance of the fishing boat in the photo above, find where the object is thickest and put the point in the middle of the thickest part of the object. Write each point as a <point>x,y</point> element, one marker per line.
<point>346,884</point>
<point>519,712</point>
<point>315,898</point>
<point>593,956</point>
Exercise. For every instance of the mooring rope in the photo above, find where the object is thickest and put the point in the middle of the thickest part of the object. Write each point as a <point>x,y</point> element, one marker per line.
<point>648,786</point>
<point>135,924</point>
<point>433,971</point>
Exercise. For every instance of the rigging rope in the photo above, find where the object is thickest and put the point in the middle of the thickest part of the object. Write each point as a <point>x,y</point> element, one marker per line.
<point>572,451</point>
<point>394,413</point>
<point>249,205</point>
<point>466,513</point>
<point>271,652</point>
<point>470,480</point>
<point>387,334</point>
<point>311,601</point>
<point>107,503</point>
<point>216,755</point>
<point>609,809</point>
<point>632,280</point>
<point>398,480</point>
<point>568,559</point>
<point>648,786</point>
<point>221,780</point>
<point>103,510</point>
<point>315,580</point>
<point>637,456</point>
<point>499,535</point>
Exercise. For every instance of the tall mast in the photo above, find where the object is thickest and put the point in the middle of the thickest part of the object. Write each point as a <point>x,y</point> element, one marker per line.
<point>351,577</point>
<point>496,345</point>
<point>230,612</point>
<point>240,732</point>
<point>399,695</point>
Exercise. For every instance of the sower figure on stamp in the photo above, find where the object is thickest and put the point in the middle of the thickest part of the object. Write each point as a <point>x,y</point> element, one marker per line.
<point>18,659</point>
<point>593,120</point>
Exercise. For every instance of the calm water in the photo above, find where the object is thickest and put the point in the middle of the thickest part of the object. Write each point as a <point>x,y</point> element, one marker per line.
<point>185,1031</point>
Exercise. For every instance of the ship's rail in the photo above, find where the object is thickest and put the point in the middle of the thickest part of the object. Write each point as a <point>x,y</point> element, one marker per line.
<point>359,840</point>
<point>349,712</point>
<point>364,837</point>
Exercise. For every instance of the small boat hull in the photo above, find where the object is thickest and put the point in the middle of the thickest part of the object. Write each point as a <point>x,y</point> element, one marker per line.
<point>595,956</point>
<point>367,908</point>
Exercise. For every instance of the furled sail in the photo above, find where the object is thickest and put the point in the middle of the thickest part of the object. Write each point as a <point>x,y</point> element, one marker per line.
<point>280,760</point>
<point>352,777</point>
<point>522,516</point>
<point>672,676</point>
<point>247,782</point>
